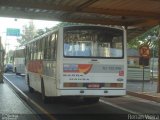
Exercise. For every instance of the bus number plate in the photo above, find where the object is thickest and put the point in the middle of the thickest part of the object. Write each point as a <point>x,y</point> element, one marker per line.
<point>93,85</point>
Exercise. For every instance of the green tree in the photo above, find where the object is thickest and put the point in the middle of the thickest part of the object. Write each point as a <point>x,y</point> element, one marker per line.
<point>42,31</point>
<point>150,37</point>
<point>28,33</point>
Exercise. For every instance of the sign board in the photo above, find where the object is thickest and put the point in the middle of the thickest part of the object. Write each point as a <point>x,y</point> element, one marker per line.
<point>144,61</point>
<point>13,32</point>
<point>144,51</point>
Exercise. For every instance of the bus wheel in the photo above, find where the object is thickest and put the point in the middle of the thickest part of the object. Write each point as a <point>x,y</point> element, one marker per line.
<point>91,99</point>
<point>17,73</point>
<point>31,90</point>
<point>44,98</point>
<point>15,70</point>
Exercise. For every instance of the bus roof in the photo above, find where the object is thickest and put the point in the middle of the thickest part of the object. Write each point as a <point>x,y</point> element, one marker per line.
<point>74,25</point>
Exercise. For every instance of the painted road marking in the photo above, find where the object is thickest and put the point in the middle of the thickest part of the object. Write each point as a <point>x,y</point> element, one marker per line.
<point>116,106</point>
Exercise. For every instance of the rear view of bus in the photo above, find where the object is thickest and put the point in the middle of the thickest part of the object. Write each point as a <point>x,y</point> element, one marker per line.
<point>94,62</point>
<point>19,61</point>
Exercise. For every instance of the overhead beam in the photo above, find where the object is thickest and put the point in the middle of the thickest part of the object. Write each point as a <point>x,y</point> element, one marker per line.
<point>158,82</point>
<point>44,16</point>
<point>147,23</point>
<point>81,8</point>
<point>86,4</point>
<point>119,12</point>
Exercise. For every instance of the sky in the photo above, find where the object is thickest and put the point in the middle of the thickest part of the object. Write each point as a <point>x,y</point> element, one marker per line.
<point>17,23</point>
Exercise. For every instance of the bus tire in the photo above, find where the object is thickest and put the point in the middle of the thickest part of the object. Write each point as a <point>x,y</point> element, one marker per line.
<point>18,74</point>
<point>15,70</point>
<point>31,90</point>
<point>91,99</point>
<point>44,98</point>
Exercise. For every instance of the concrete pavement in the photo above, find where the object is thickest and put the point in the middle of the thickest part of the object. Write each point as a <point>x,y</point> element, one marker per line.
<point>146,90</point>
<point>146,95</point>
<point>12,107</point>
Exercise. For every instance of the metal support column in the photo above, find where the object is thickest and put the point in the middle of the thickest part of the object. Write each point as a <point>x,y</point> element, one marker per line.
<point>1,62</point>
<point>158,82</point>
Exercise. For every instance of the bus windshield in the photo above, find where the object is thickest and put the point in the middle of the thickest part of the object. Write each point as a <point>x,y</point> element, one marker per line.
<point>97,42</point>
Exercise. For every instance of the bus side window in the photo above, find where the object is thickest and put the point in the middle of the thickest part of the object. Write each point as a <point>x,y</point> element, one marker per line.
<point>45,48</point>
<point>87,52</point>
<point>32,51</point>
<point>53,45</point>
<point>66,49</point>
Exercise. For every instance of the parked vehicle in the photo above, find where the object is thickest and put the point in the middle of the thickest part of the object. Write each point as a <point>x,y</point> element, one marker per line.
<point>8,68</point>
<point>19,61</point>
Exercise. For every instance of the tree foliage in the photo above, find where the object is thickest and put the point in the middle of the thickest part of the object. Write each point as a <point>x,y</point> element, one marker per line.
<point>42,31</point>
<point>150,37</point>
<point>28,33</point>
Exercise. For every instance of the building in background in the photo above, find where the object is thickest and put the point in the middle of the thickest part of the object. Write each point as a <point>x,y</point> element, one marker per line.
<point>133,57</point>
<point>135,70</point>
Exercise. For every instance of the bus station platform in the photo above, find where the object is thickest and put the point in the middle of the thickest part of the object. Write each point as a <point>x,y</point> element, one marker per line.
<point>12,107</point>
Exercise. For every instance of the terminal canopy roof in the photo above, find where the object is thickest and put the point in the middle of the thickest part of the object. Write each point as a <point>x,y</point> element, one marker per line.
<point>137,15</point>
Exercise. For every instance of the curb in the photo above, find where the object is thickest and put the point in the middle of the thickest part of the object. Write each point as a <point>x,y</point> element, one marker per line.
<point>144,96</point>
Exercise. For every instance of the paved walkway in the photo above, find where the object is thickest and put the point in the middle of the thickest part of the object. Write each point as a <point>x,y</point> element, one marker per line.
<point>140,86</point>
<point>12,107</point>
<point>145,90</point>
<point>146,95</point>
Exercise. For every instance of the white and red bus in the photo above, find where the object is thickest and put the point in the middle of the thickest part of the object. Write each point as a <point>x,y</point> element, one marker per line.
<point>85,61</point>
<point>19,60</point>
